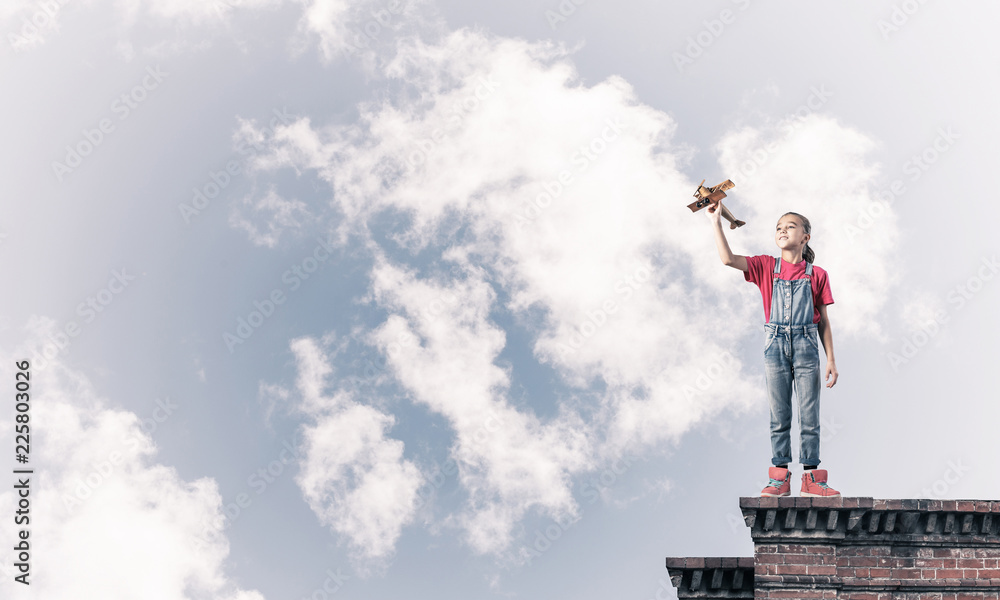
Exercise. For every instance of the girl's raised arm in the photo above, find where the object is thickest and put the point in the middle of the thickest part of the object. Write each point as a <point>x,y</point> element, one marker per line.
<point>729,259</point>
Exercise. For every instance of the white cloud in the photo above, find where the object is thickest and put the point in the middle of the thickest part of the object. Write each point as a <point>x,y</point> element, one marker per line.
<point>821,169</point>
<point>353,477</point>
<point>98,498</point>
<point>509,461</point>
<point>358,28</point>
<point>264,218</point>
<point>571,201</point>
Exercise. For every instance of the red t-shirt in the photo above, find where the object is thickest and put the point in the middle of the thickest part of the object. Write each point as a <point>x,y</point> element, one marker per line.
<point>760,270</point>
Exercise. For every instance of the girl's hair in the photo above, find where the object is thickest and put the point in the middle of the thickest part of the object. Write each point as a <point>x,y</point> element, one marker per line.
<point>807,252</point>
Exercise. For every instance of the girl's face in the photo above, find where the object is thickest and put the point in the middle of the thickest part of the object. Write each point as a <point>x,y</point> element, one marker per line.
<point>790,235</point>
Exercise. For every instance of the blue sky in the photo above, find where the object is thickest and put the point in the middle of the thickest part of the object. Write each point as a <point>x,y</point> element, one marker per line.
<point>360,299</point>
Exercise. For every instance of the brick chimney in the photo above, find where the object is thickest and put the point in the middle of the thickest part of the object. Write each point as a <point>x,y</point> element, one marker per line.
<point>856,549</point>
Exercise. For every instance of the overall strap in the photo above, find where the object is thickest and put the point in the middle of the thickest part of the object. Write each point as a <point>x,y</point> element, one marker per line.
<point>777,267</point>
<point>809,269</point>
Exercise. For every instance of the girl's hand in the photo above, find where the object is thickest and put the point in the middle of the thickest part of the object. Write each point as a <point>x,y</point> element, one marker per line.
<point>831,370</point>
<point>714,214</point>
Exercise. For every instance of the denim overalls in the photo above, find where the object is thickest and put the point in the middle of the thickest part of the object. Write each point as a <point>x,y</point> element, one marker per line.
<point>791,352</point>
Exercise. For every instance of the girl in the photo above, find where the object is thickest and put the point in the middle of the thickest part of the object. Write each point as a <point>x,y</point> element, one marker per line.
<point>795,294</point>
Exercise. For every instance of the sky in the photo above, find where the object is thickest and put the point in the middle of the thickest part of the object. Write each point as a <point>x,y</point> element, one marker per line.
<point>326,299</point>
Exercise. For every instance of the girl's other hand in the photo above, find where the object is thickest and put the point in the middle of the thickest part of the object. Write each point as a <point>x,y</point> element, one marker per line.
<point>831,370</point>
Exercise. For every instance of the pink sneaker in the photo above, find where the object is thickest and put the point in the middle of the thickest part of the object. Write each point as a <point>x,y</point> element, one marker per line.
<point>780,483</point>
<point>814,485</point>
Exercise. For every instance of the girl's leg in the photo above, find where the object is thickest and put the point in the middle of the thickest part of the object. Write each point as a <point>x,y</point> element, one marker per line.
<point>807,388</point>
<point>778,379</point>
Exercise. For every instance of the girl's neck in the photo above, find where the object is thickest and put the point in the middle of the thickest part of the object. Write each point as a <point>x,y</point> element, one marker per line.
<point>791,257</point>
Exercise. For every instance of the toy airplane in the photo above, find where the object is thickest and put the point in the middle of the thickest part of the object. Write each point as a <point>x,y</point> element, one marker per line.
<point>712,196</point>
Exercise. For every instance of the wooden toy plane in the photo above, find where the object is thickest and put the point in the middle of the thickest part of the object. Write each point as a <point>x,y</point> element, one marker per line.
<point>713,196</point>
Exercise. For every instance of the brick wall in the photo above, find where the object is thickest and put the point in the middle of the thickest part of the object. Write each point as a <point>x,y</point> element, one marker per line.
<point>871,549</point>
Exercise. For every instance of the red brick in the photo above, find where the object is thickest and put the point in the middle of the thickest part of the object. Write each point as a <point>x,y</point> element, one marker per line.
<point>805,559</point>
<point>878,572</point>
<point>795,594</point>
<point>946,552</point>
<point>821,570</point>
<point>905,573</point>
<point>946,573</point>
<point>835,502</point>
<point>805,549</point>
<point>773,559</point>
<point>967,506</point>
<point>790,569</point>
<point>864,561</point>
<point>970,563</point>
<point>989,573</point>
<point>933,563</point>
